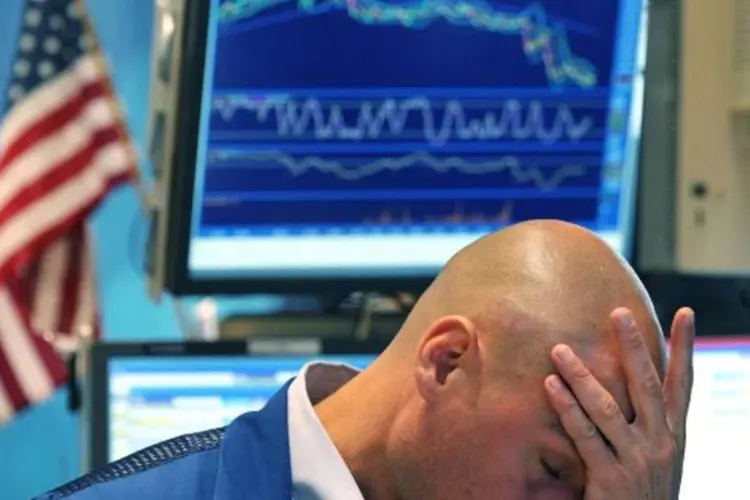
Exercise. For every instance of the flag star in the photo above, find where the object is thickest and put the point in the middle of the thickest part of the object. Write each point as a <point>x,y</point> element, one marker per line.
<point>21,68</point>
<point>27,42</point>
<point>52,45</point>
<point>33,17</point>
<point>85,42</point>
<point>15,92</point>
<point>46,69</point>
<point>73,10</point>
<point>56,22</point>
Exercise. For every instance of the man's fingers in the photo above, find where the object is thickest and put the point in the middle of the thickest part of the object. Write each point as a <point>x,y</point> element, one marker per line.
<point>588,441</point>
<point>644,384</point>
<point>678,383</point>
<point>601,408</point>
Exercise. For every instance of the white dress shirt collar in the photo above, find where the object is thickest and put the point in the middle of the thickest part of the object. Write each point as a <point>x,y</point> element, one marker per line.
<point>318,470</point>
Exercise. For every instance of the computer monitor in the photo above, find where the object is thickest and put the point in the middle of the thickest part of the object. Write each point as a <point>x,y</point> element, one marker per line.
<point>358,145</point>
<point>143,394</point>
<point>718,429</point>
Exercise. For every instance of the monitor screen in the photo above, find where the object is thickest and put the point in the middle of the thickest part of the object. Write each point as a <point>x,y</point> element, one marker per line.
<point>373,139</point>
<point>152,399</point>
<point>718,430</point>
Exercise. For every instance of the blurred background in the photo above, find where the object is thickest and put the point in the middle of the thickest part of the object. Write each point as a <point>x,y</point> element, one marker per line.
<point>307,188</point>
<point>44,442</point>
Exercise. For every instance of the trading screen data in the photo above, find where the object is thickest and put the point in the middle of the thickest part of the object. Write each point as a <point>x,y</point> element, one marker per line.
<point>154,399</point>
<point>718,427</point>
<point>370,138</point>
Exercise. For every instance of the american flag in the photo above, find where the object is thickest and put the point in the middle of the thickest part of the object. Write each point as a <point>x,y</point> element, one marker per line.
<point>63,147</point>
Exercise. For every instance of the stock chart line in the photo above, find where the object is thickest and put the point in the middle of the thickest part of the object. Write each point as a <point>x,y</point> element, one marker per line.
<point>521,174</point>
<point>513,120</point>
<point>542,42</point>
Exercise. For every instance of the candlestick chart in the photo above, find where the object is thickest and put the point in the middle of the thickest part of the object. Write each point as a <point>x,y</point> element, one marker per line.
<point>365,115</point>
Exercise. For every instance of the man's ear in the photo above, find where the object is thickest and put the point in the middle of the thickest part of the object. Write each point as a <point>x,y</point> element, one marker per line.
<point>441,352</point>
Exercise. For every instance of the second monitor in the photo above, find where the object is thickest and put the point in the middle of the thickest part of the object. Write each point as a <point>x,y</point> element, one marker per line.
<point>145,393</point>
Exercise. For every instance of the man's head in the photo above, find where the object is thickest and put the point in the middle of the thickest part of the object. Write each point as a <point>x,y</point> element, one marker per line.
<point>462,383</point>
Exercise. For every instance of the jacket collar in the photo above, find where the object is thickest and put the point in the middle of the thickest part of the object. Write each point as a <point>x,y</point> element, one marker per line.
<point>254,460</point>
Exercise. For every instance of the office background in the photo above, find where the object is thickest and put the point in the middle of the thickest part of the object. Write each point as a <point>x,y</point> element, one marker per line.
<point>45,441</point>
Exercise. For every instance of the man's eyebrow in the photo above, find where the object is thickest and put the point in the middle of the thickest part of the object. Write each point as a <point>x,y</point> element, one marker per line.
<point>557,426</point>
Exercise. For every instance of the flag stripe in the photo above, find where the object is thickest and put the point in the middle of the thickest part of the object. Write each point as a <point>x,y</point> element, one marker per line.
<point>62,125</point>
<point>67,300</point>
<point>6,405</point>
<point>71,283</point>
<point>47,98</point>
<point>36,382</point>
<point>43,221</point>
<point>63,146</point>
<point>35,164</point>
<point>59,174</point>
<point>85,312</point>
<point>46,298</point>
<point>12,388</point>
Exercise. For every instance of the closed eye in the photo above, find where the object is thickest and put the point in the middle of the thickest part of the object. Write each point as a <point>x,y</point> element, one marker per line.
<point>551,471</point>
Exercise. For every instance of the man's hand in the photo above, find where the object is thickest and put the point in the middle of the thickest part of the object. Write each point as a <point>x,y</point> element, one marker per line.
<point>639,460</point>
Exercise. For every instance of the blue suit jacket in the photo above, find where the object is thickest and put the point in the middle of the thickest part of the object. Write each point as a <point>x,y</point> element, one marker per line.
<point>248,460</point>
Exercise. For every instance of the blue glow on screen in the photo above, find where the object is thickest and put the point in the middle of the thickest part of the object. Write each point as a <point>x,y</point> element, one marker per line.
<point>356,129</point>
<point>156,398</point>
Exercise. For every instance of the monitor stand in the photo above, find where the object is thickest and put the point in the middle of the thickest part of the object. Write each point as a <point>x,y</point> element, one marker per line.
<point>361,316</point>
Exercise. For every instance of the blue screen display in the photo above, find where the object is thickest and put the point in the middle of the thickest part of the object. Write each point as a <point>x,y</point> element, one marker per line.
<point>370,138</point>
<point>156,398</point>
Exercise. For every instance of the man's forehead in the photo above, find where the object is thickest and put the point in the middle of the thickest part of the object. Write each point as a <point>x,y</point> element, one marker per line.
<point>609,374</point>
<point>596,344</point>
<point>608,371</point>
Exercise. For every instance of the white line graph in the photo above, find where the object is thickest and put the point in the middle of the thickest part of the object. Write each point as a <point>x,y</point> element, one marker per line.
<point>522,174</point>
<point>369,120</point>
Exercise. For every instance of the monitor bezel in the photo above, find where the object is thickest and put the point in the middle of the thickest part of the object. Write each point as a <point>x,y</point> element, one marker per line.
<point>96,395</point>
<point>177,276</point>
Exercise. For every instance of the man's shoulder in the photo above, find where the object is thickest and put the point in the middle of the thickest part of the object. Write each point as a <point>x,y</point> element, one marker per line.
<point>181,468</point>
<point>250,455</point>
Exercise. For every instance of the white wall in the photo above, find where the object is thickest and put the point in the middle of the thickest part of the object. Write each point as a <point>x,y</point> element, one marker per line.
<point>713,233</point>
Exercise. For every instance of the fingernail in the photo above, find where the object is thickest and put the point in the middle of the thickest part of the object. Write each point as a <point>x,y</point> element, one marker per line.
<point>625,321</point>
<point>564,353</point>
<point>690,318</point>
<point>554,383</point>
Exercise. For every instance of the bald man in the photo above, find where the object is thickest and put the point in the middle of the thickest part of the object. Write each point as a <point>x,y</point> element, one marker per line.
<point>532,368</point>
